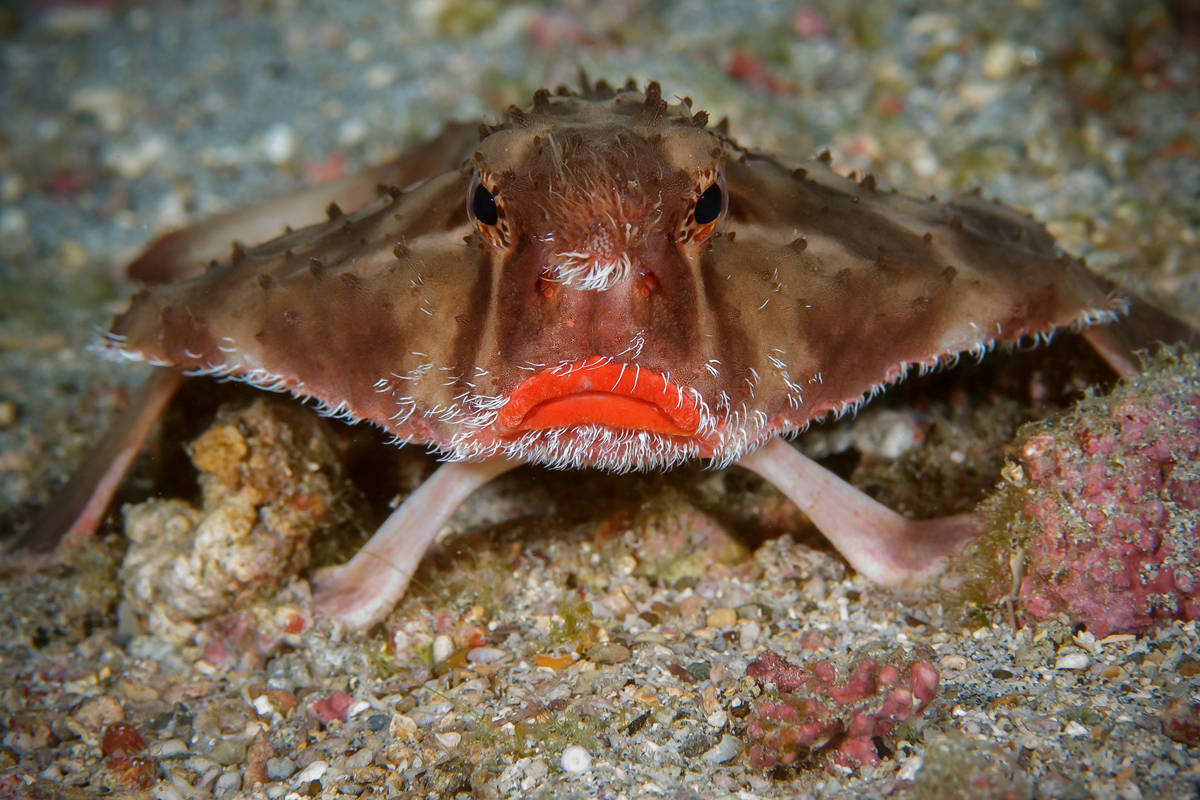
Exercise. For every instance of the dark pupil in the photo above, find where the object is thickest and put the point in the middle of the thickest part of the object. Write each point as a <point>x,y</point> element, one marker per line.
<point>708,206</point>
<point>484,206</point>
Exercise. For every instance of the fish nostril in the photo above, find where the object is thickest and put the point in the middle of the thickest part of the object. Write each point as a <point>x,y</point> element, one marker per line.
<point>646,285</point>
<point>545,285</point>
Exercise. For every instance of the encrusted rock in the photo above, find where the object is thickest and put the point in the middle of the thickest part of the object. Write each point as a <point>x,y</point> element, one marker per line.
<point>1105,506</point>
<point>268,479</point>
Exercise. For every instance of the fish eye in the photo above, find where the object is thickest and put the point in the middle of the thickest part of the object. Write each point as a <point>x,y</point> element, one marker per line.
<point>483,206</point>
<point>486,210</point>
<point>709,204</point>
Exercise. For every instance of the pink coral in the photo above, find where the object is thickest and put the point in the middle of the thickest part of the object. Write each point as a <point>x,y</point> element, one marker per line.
<point>809,712</point>
<point>1112,504</point>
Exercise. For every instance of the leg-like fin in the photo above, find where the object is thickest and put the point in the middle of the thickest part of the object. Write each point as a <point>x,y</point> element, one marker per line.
<point>77,508</point>
<point>1143,328</point>
<point>882,545</point>
<point>362,591</point>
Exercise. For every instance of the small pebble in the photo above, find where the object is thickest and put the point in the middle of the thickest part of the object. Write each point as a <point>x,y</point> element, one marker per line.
<point>352,132</point>
<point>910,767</point>
<point>359,759</point>
<point>553,661</point>
<point>280,769</point>
<point>723,751</point>
<point>98,712</point>
<point>1074,729</point>
<point>449,739</point>
<point>486,655</point>
<point>999,60</point>
<point>609,653</point>
<point>228,752</point>
<point>312,772</point>
<point>1043,725</point>
<point>576,760</point>
<point>13,222</point>
<point>282,699</point>
<point>721,618</point>
<point>379,76</point>
<point>952,662</point>
<point>167,748</point>
<point>748,633</point>
<point>442,648</point>
<point>897,439</point>
<point>402,727</point>
<point>690,605</point>
<point>229,783</point>
<point>531,771</point>
<point>1073,661</point>
<point>279,143</point>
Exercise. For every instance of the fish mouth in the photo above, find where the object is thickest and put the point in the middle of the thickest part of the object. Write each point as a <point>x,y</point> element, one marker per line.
<point>599,391</point>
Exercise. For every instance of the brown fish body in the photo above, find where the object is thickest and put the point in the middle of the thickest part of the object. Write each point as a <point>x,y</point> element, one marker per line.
<point>606,281</point>
<point>601,280</point>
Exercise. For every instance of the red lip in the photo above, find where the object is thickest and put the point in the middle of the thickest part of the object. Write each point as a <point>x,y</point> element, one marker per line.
<point>598,391</point>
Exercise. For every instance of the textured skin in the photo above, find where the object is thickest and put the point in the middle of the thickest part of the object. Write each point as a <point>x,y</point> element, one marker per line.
<point>186,253</point>
<point>808,293</point>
